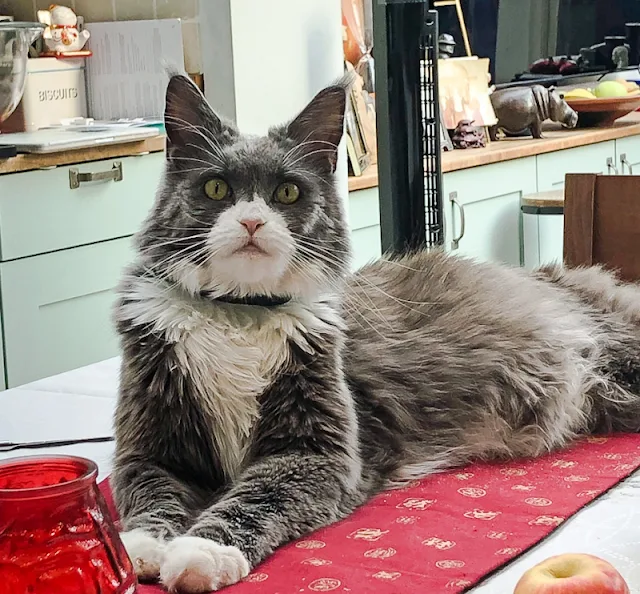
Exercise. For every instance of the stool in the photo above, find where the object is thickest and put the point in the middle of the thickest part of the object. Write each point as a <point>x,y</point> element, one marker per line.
<point>542,228</point>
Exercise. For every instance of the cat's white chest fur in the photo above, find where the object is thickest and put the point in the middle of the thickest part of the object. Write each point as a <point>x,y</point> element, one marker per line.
<point>232,354</point>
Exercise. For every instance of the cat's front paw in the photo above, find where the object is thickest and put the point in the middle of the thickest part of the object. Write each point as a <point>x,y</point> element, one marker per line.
<point>146,553</point>
<point>193,565</point>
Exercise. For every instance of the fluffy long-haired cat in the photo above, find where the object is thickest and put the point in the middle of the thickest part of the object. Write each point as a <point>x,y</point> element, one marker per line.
<point>266,391</point>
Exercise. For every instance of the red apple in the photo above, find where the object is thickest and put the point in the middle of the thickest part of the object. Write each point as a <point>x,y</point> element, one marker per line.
<point>572,573</point>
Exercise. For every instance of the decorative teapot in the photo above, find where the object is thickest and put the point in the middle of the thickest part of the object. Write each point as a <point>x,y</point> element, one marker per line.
<point>61,34</point>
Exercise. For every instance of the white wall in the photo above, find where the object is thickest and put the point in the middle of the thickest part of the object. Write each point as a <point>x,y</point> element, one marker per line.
<point>284,51</point>
<point>264,60</point>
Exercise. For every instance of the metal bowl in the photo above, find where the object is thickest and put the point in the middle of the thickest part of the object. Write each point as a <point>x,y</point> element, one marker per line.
<point>15,39</point>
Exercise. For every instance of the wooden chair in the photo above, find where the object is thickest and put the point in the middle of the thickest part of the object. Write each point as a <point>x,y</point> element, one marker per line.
<point>602,222</point>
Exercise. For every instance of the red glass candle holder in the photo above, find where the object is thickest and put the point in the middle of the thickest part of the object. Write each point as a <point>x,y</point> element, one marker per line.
<point>56,533</point>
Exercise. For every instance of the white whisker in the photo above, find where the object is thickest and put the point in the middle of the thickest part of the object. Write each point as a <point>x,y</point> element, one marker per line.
<point>307,155</point>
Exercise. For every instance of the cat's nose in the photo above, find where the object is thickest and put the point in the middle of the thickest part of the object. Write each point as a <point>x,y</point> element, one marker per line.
<point>252,225</point>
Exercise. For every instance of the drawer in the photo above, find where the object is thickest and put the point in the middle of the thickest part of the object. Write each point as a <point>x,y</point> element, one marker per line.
<point>479,183</point>
<point>592,158</point>
<point>57,309</point>
<point>40,213</point>
<point>364,208</point>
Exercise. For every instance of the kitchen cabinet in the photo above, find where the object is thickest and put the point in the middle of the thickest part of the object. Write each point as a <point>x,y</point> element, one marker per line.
<point>364,219</point>
<point>544,232</point>
<point>482,209</point>
<point>482,216</point>
<point>3,383</point>
<point>628,155</point>
<point>63,247</point>
<point>592,158</point>
<point>40,212</point>
<point>58,309</point>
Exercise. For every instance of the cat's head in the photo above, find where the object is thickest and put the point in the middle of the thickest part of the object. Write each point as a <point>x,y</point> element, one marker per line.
<point>241,215</point>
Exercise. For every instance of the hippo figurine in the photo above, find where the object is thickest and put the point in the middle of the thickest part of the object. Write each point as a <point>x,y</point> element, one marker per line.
<point>519,109</point>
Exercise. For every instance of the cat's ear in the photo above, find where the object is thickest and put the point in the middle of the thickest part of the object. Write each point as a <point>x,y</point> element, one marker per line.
<point>320,125</point>
<point>188,118</point>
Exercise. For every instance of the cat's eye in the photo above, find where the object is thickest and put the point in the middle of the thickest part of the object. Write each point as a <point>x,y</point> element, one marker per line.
<point>287,193</point>
<point>216,189</point>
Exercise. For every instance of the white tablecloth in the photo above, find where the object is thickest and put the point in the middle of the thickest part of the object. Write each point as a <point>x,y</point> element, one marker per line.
<point>80,404</point>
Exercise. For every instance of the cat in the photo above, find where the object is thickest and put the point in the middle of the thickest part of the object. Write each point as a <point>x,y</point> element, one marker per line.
<point>267,391</point>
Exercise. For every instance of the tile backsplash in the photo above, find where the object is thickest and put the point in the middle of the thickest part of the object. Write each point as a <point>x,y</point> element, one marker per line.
<point>126,10</point>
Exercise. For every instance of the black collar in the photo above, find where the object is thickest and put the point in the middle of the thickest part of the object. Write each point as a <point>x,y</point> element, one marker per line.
<point>261,300</point>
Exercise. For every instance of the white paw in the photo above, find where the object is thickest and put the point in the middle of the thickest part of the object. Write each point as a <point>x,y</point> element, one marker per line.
<point>194,565</point>
<point>145,551</point>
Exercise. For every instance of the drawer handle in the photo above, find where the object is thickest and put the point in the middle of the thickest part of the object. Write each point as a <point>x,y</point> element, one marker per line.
<point>455,242</point>
<point>624,161</point>
<point>611,166</point>
<point>76,178</point>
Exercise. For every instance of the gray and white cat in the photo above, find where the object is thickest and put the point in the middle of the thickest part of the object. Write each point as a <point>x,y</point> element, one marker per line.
<point>266,391</point>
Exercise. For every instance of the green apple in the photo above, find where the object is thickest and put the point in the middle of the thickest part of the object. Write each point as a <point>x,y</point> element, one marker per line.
<point>610,88</point>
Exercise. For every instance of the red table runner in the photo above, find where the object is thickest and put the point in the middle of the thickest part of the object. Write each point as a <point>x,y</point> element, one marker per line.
<point>445,533</point>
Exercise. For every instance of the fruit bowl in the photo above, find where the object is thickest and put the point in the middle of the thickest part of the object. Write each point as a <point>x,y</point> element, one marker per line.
<point>603,111</point>
<point>603,105</point>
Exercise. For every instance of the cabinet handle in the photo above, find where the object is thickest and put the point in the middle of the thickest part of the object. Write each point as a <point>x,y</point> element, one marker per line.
<point>611,166</point>
<point>624,161</point>
<point>113,174</point>
<point>455,242</point>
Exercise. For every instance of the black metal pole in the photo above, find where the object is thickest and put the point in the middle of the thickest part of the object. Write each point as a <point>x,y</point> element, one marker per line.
<point>431,124</point>
<point>398,27</point>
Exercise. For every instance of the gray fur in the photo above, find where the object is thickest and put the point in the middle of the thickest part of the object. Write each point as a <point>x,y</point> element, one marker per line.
<point>241,427</point>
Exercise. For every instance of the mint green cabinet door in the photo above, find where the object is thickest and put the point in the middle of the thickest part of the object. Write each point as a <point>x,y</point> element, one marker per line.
<point>591,158</point>
<point>482,210</point>
<point>364,220</point>
<point>40,212</point>
<point>57,309</point>
<point>367,246</point>
<point>628,155</point>
<point>3,383</point>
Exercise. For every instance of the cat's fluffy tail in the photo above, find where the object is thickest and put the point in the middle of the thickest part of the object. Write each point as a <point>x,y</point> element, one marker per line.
<point>615,404</point>
<point>599,288</point>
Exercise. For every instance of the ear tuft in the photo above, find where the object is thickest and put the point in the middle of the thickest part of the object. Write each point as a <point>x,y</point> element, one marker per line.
<point>187,114</point>
<point>320,125</point>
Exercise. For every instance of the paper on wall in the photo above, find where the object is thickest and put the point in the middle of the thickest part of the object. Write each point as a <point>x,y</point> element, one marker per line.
<point>126,76</point>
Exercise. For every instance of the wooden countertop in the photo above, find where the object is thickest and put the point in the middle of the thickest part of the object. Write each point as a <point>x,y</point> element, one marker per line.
<point>29,162</point>
<point>368,179</point>
<point>552,198</point>
<point>555,139</point>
